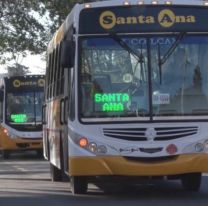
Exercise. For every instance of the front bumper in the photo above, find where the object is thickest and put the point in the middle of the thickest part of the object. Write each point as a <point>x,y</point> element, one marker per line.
<point>21,144</point>
<point>116,165</point>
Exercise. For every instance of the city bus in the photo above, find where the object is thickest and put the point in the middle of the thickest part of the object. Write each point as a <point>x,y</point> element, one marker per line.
<point>21,100</point>
<point>126,93</point>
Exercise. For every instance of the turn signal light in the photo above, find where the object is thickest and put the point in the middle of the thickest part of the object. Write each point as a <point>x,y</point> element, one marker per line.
<point>5,131</point>
<point>83,142</point>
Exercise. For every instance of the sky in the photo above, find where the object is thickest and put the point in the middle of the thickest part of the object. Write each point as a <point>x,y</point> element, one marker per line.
<point>34,62</point>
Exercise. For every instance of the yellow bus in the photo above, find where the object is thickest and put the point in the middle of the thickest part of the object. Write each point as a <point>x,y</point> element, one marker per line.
<point>21,99</point>
<point>126,93</point>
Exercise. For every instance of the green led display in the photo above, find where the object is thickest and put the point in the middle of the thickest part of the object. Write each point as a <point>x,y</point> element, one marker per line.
<point>19,118</point>
<point>112,102</point>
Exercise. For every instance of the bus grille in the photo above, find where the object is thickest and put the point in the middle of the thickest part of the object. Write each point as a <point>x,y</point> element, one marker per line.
<point>138,134</point>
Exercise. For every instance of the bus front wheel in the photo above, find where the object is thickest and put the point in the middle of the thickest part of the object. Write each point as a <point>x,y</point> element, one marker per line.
<point>39,153</point>
<point>5,154</point>
<point>191,181</point>
<point>78,184</point>
<point>56,174</point>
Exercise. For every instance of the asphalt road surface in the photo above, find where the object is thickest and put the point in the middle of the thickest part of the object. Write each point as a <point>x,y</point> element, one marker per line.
<point>25,181</point>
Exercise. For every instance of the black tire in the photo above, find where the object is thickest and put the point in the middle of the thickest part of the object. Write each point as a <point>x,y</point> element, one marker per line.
<point>79,184</point>
<point>64,176</point>
<point>191,181</point>
<point>5,154</point>
<point>56,174</point>
<point>39,153</point>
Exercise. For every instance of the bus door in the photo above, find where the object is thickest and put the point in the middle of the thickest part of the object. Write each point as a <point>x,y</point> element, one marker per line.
<point>64,116</point>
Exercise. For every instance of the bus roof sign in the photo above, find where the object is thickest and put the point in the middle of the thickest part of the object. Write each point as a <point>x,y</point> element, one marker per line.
<point>22,82</point>
<point>144,19</point>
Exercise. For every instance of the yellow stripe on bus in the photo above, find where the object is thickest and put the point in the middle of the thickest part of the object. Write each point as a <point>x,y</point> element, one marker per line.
<point>81,166</point>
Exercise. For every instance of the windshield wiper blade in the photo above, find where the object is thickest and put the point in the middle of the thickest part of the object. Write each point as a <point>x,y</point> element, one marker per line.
<point>171,49</point>
<point>126,47</point>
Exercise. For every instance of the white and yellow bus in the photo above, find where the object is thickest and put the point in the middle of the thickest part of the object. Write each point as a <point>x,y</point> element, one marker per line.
<point>126,93</point>
<point>21,100</point>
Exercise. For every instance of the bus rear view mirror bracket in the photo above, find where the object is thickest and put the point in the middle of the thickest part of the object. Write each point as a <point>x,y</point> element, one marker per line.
<point>67,54</point>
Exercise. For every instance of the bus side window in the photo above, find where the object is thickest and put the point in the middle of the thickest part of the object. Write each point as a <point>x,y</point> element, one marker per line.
<point>67,54</point>
<point>1,96</point>
<point>1,105</point>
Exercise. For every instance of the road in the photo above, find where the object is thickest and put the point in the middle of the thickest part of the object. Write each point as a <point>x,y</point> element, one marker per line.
<point>25,181</point>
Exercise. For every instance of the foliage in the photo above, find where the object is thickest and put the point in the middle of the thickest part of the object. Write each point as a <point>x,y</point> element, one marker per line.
<point>58,10</point>
<point>17,69</point>
<point>20,30</point>
<point>29,25</point>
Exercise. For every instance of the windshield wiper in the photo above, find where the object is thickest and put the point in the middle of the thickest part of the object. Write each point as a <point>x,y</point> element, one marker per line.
<point>170,51</point>
<point>138,56</point>
<point>125,46</point>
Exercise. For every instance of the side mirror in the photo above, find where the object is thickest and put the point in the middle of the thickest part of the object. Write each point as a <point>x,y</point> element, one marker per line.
<point>67,54</point>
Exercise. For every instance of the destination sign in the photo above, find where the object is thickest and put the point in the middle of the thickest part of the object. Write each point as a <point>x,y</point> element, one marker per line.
<point>143,19</point>
<point>32,82</point>
<point>19,118</point>
<point>111,102</point>
<point>19,83</point>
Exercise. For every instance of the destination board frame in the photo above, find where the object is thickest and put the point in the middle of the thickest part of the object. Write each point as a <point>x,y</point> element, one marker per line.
<point>147,18</point>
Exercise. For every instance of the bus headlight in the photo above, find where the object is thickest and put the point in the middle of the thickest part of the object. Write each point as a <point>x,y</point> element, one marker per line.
<point>206,144</point>
<point>102,149</point>
<point>11,135</point>
<point>92,147</point>
<point>199,147</point>
<point>5,131</point>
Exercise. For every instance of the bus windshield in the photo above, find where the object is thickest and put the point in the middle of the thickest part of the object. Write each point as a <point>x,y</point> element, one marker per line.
<point>24,107</point>
<point>139,76</point>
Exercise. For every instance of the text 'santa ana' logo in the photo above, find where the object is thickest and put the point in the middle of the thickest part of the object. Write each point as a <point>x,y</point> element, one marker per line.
<point>16,83</point>
<point>41,82</point>
<point>166,18</point>
<point>107,20</point>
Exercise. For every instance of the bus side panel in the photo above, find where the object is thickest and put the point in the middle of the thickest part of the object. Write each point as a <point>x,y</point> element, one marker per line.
<point>53,131</point>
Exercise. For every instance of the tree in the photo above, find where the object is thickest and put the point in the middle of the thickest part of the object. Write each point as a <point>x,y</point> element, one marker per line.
<point>20,29</point>
<point>29,25</point>
<point>17,70</point>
